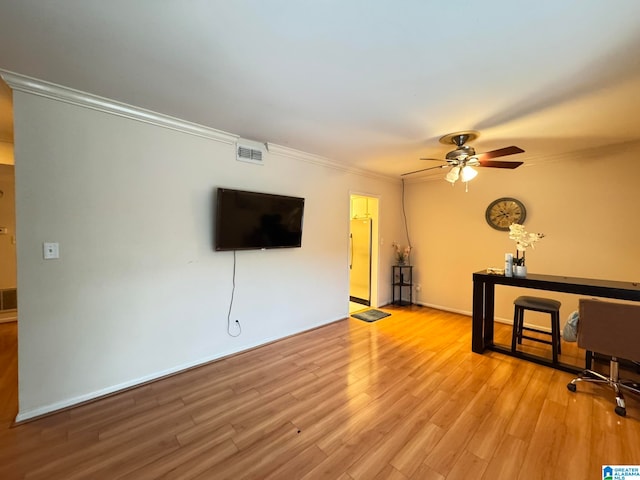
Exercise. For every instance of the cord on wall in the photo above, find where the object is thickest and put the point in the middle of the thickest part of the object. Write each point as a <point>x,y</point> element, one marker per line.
<point>233,290</point>
<point>406,227</point>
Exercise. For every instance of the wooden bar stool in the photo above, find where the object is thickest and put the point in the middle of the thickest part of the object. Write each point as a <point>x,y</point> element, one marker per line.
<point>536,304</point>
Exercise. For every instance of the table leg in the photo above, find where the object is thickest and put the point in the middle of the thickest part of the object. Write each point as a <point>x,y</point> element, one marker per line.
<point>489,308</point>
<point>477,318</point>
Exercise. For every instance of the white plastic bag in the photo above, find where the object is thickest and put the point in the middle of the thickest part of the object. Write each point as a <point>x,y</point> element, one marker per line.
<point>570,330</point>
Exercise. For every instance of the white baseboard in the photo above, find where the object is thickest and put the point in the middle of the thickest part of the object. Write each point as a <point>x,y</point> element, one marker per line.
<point>96,395</point>
<point>506,321</point>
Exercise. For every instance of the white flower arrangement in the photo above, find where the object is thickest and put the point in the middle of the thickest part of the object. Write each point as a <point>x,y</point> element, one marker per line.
<point>401,253</point>
<point>523,240</point>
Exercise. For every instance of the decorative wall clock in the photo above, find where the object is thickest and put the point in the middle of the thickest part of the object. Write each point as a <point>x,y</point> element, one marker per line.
<point>504,211</point>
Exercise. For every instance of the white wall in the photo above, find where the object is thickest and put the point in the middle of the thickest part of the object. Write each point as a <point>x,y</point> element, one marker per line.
<point>585,204</point>
<point>138,291</point>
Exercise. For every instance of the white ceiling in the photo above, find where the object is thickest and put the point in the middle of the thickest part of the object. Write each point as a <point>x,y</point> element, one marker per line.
<point>369,83</point>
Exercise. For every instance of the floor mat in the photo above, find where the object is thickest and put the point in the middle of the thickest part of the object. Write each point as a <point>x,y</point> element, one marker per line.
<point>370,315</point>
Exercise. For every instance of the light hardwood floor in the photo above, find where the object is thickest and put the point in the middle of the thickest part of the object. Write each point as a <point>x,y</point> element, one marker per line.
<point>401,398</point>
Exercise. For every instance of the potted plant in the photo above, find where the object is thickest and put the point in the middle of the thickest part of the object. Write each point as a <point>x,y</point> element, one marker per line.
<point>401,254</point>
<point>523,241</point>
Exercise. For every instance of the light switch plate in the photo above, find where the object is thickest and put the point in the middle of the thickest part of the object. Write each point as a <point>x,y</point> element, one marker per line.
<point>50,250</point>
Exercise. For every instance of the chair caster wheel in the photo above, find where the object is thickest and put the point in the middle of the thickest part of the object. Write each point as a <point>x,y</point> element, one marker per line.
<point>621,411</point>
<point>571,387</point>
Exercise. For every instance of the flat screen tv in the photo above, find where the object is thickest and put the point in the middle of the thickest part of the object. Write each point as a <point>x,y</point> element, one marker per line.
<point>256,221</point>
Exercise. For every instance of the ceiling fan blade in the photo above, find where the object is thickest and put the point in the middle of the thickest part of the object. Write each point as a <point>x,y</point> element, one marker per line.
<point>501,152</point>
<point>433,159</point>
<point>423,170</point>
<point>499,164</point>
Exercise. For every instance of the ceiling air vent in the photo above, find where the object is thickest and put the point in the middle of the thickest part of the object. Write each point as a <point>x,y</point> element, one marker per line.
<point>248,151</point>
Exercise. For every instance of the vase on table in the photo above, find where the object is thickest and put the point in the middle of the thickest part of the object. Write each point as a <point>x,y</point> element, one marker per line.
<point>520,271</point>
<point>519,267</point>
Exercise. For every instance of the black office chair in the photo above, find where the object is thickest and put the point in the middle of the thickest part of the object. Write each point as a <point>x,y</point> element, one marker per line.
<point>611,329</point>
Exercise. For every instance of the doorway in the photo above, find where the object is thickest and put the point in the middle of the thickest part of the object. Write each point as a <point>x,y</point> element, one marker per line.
<point>8,291</point>
<point>363,230</point>
<point>8,272</point>
<point>8,269</point>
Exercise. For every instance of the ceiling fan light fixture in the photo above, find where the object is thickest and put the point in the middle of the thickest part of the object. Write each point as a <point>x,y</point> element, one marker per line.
<point>453,175</point>
<point>468,173</point>
<point>461,160</point>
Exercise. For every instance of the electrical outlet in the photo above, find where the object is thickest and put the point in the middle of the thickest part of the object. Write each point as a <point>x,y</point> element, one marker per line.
<point>50,250</point>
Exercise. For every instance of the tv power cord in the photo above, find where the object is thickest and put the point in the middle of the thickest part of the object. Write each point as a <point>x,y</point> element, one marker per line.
<point>233,290</point>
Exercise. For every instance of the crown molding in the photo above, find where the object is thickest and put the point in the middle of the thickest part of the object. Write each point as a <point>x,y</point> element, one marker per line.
<point>325,162</point>
<point>23,83</point>
<point>41,88</point>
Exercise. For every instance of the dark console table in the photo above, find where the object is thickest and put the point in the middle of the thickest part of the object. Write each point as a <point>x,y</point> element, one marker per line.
<point>484,297</point>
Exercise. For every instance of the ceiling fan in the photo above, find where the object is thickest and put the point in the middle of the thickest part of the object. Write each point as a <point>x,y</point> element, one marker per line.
<point>461,160</point>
